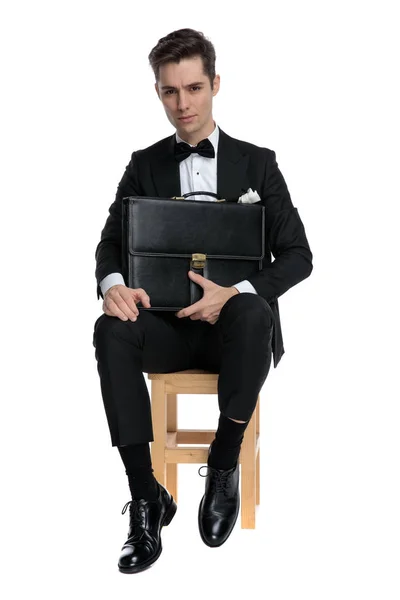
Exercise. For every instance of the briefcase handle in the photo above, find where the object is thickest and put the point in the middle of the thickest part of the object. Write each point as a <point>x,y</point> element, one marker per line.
<point>204,194</point>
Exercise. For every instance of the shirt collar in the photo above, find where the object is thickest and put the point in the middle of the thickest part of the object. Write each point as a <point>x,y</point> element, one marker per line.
<point>213,137</point>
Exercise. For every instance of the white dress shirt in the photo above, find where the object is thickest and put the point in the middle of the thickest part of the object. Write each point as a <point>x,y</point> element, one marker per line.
<point>196,173</point>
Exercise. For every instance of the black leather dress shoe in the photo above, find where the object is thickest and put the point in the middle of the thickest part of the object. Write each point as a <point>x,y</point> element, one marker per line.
<point>147,517</point>
<point>219,507</point>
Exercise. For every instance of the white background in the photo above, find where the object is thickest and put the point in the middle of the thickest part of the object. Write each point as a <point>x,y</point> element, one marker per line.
<point>317,83</point>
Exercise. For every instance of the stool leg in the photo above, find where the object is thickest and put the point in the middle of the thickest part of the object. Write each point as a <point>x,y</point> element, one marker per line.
<point>258,454</point>
<point>172,426</point>
<point>159,417</point>
<point>248,476</point>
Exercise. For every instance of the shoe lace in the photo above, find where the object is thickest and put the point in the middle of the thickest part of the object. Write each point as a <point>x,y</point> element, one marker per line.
<point>220,480</point>
<point>136,520</point>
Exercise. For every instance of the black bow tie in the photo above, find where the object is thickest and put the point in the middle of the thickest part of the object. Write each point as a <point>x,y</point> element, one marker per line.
<point>204,148</point>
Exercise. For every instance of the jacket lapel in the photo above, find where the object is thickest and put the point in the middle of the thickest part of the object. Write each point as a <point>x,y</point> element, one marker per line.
<point>165,170</point>
<point>232,179</point>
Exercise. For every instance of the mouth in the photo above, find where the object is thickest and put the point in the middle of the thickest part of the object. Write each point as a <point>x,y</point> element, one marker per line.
<point>189,118</point>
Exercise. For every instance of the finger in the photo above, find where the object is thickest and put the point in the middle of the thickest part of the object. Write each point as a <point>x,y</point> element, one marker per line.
<point>195,317</point>
<point>129,299</point>
<point>121,301</point>
<point>193,274</point>
<point>191,310</point>
<point>143,297</point>
<point>131,314</point>
<point>115,310</point>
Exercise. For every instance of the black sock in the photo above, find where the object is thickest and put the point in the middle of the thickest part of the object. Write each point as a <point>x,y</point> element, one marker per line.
<point>137,461</point>
<point>226,446</point>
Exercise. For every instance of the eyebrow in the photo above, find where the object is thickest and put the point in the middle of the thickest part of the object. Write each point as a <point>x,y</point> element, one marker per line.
<point>170,87</point>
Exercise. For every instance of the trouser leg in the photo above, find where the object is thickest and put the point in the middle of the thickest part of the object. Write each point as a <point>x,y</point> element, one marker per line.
<point>238,347</point>
<point>156,342</point>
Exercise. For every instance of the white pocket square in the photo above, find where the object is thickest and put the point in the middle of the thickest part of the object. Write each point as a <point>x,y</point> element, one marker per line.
<point>249,197</point>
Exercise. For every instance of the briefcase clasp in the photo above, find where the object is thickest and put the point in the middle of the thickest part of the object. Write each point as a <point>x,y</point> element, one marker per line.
<point>198,260</point>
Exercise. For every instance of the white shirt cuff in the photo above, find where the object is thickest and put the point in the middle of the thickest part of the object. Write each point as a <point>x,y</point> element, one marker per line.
<point>111,279</point>
<point>245,286</point>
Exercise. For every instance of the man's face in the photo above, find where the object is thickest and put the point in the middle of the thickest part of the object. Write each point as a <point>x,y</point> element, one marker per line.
<point>181,98</point>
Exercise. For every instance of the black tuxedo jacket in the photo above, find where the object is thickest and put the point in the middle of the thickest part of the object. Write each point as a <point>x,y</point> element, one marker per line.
<point>154,171</point>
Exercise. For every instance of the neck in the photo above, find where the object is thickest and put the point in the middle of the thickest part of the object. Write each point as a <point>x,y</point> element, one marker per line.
<point>196,137</point>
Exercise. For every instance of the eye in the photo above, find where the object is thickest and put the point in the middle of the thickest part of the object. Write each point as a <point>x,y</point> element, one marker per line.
<point>194,87</point>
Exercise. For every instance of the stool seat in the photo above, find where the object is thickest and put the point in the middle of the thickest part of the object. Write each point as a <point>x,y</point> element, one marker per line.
<point>167,453</point>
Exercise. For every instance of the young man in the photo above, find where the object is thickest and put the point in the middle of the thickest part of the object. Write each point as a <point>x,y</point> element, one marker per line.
<point>232,331</point>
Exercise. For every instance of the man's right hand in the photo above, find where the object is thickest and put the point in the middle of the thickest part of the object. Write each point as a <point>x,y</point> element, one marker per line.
<point>120,301</point>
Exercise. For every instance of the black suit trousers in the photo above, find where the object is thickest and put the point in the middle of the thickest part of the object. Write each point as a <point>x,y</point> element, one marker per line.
<point>237,347</point>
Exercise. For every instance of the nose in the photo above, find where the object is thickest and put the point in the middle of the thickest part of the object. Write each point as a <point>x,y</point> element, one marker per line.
<point>182,101</point>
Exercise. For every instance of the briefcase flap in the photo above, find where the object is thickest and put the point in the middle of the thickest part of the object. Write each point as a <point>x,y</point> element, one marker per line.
<point>162,226</point>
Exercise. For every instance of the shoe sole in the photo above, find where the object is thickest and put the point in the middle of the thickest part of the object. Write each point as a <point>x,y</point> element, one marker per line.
<point>169,515</point>
<point>200,529</point>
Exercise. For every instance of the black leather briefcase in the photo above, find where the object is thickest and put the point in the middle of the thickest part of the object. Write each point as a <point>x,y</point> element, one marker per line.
<point>164,238</point>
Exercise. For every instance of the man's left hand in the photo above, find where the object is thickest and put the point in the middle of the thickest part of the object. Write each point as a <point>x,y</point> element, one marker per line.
<point>209,307</point>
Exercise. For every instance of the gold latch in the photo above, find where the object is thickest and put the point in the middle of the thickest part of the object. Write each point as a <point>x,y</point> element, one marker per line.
<point>198,261</point>
<point>177,198</point>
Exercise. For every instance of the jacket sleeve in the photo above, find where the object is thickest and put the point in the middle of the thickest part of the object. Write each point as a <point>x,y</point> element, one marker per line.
<point>108,252</point>
<point>285,237</point>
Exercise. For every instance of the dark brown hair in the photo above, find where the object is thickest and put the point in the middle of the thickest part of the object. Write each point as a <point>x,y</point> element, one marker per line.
<point>183,43</point>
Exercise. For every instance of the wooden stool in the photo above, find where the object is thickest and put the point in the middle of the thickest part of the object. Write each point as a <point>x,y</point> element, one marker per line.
<point>166,453</point>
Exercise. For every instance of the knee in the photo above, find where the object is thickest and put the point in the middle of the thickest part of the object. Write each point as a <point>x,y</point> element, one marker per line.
<point>252,308</point>
<point>112,330</point>
<point>104,328</point>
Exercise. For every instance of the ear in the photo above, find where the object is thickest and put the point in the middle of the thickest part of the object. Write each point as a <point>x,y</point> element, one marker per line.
<point>216,84</point>
<point>156,88</point>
